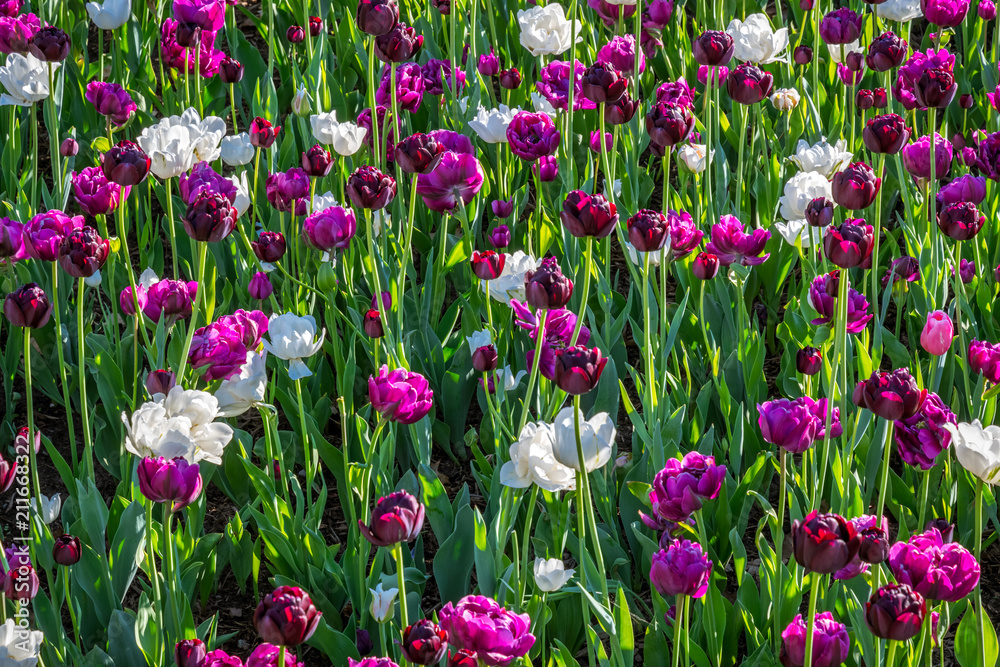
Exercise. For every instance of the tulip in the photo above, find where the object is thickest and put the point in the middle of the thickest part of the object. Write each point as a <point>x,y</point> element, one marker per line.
<point>916,157</point>
<point>8,473</point>
<point>935,570</point>
<point>416,153</point>
<point>219,348</point>
<point>895,612</point>
<point>578,369</point>
<point>922,437</point>
<point>669,124</point>
<point>479,625</point>
<point>789,424</point>
<point>830,645</point>
<point>484,358</point>
<point>733,245</point>
<point>398,517</point>
<point>545,30</point>
<point>369,188</point>
<point>210,217</point>
<point>886,134</point>
<point>363,642</point>
<point>190,653</point>
<point>620,53</point>
<point>83,252</point>
<point>438,75</point>
<point>824,543</point>
<point>262,133</point>
<point>260,287</point>
<point>21,584</point>
<point>111,100</point>
<point>823,297</point>
<point>160,382</point>
<point>270,246</point>
<point>376,17</point>
<point>424,642</point>
<point>748,84</point>
<point>886,52</point>
<point>345,138</point>
<point>864,99</point>
<point>401,396</point>
<point>809,360</point>
<point>841,26</point>
<point>286,617</point>
<point>110,15</point>
<point>680,488</point>
<point>546,168</point>
<point>500,237</point>
<point>945,13</point>
<point>588,215</point>
<point>66,550</point>
<point>987,11</point>
<point>602,82</point>
<point>855,187</point>
<point>69,147</point>
<point>373,324</point>
<point>977,448</point>
<point>50,44</point>
<point>489,64</point>
<point>754,40</point>
<point>890,395</point>
<point>487,265</point>
<point>819,211</point>
<point>551,574</point>
<point>126,164</point>
<point>938,333</point>
<point>984,359</point>
<point>802,55</point>
<point>172,481</point>
<point>822,157</point>
<point>849,245</point>
<point>546,287</point>
<point>510,79</point>
<point>95,194</point>
<point>960,221</point>
<point>648,230</point>
<point>452,180</point>
<point>329,229</point>
<point>532,135</point>
<point>706,266</point>
<point>681,569</point>
<point>502,208</point>
<point>713,48</point>
<point>881,98</point>
<point>27,307</point>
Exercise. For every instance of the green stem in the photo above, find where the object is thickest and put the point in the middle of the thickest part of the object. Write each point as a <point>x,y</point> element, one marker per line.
<point>29,404</point>
<point>88,445</point>
<point>202,250</point>
<point>307,452</point>
<point>978,553</point>
<point>779,538</point>
<point>959,295</point>
<point>397,550</point>
<point>539,338</point>
<point>62,367</point>
<point>172,232</point>
<point>72,608</point>
<point>34,158</point>
<point>741,140</point>
<point>581,529</point>
<point>525,548</point>
<point>678,617</point>
<point>883,488</point>
<point>811,621</point>
<point>588,259</point>
<point>169,567</point>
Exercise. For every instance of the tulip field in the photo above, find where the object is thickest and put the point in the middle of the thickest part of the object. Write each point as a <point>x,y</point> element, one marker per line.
<point>477,333</point>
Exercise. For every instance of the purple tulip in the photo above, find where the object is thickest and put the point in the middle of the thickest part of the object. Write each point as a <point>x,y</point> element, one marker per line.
<point>424,642</point>
<point>16,33</point>
<point>553,85</point>
<point>66,550</point>
<point>648,230</point>
<point>453,141</point>
<point>684,234</point>
<point>611,14</point>
<point>44,233</point>
<point>855,187</point>
<point>330,229</point>
<point>210,217</point>
<point>823,298</point>
<point>376,17</point>
<point>887,134</point>
<point>830,646</point>
<point>286,616</point>
<point>126,164</point>
<point>961,221</point>
<point>263,133</point>
<point>410,89</point>
<point>895,612</point>
<point>288,191</point>
<point>481,626</point>
<point>209,15</point>
<point>681,569</point>
<point>398,517</point>
<point>675,92</point>
<point>945,13</point>
<point>864,99</point>
<point>11,7</point>
<point>657,14</point>
<point>681,487</point>
<point>886,52</point>
<point>489,64</point>
<point>510,79</point>
<point>171,298</point>
<point>532,135</point>
<point>453,179</point>
<point>204,178</point>
<point>438,76</point>
<point>809,360</point>
<point>890,395</point>
<point>984,359</point>
<point>400,396</point>
<point>916,157</point>
<point>841,26</point>
<point>935,570</point>
<point>749,84</point>
<point>903,268</point>
<point>83,252</point>
<point>160,382</point>
<point>926,80</point>
<point>369,188</point>
<point>790,424</point>
<point>416,153</point>
<point>502,208</point>
<point>27,307</point>
<point>269,246</point>
<point>220,348</point>
<point>269,655</point>
<point>50,44</point>
<point>172,481</point>
<point>966,188</point>
<point>578,369</point>
<point>230,70</point>
<point>95,194</point>
<point>588,215</point>
<point>21,583</point>
<point>922,437</point>
<point>500,237</point>
<point>12,246</point>
<point>824,543</point>
<point>111,100</point>
<point>487,265</point>
<point>546,168</point>
<point>559,325</point>
<point>621,111</point>
<point>546,287</point>
<point>669,124</point>
<point>732,245</point>
<point>850,244</point>
<point>713,48</point>
<point>620,53</point>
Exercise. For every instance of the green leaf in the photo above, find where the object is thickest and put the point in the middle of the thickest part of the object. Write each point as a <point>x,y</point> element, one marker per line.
<point>968,649</point>
<point>127,548</point>
<point>455,556</point>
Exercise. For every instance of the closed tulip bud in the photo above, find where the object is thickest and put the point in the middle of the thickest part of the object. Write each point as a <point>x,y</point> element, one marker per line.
<point>886,52</point>
<point>286,617</point>
<point>881,98</point>
<point>602,82</point>
<point>588,215</point>
<point>173,481</point>
<point>682,568</point>
<point>21,584</point>
<point>621,111</point>
<point>230,70</point>
<point>713,48</point>
<point>373,324</point>
<point>960,221</point>
<point>547,168</point>
<point>547,287</point>
<point>489,64</point>
<point>578,369</point>
<point>855,62</point>
<point>824,543</point>
<point>938,333</point>
<point>510,79</point>
<point>363,642</point>
<point>886,134</point>
<point>315,26</point>
<point>500,237</point>
<point>749,84</point>
<point>895,612</point>
<point>188,35</point>
<point>819,212</point>
<point>987,11</point>
<point>462,658</point>
<point>376,17</point>
<point>369,188</point>
<point>502,208</point>
<point>488,264</point>
<point>416,153</point>
<point>874,536</point>
<point>27,307</point>
<point>269,246</point>
<point>398,517</point>
<point>802,55</point>
<point>69,147</point>
<point>864,99</point>
<point>809,360</point>
<point>669,124</point>
<point>66,550</point>
<point>317,162</point>
<point>484,359</point>
<point>706,266</point>
<point>399,45</point>
<point>263,133</point>
<point>190,653</point>
<point>890,395</point>
<point>160,382</point>
<point>855,187</point>
<point>260,287</point>
<point>424,642</point>
<point>210,217</point>
<point>50,44</point>
<point>935,88</point>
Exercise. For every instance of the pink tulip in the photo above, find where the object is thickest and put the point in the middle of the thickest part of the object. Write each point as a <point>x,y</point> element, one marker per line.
<point>938,333</point>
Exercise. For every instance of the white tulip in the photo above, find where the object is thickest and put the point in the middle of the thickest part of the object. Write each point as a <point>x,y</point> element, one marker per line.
<point>510,283</point>
<point>26,79</point>
<point>246,390</point>
<point>201,409</point>
<point>509,379</point>
<point>551,574</point>
<point>532,462</point>
<point>977,449</point>
<point>382,601</point>
<point>801,189</point>
<point>838,52</point>
<point>94,280</point>
<point>693,156</point>
<point>821,157</point>
<point>179,424</point>
<point>597,438</point>
<point>479,339</point>
<point>19,646</point>
<point>542,105</point>
<point>112,15</point>
<point>207,134</point>
<point>169,148</point>
<point>756,42</point>
<point>785,99</point>
<point>293,338</point>
<point>345,138</point>
<point>797,230</point>
<point>899,10</point>
<point>237,150</point>
<point>545,30</point>
<point>242,202</point>
<point>491,124</point>
<point>639,258</point>
<point>301,103</point>
<point>50,508</point>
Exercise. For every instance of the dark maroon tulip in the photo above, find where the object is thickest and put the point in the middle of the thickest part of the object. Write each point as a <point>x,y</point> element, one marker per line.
<point>824,543</point>
<point>27,307</point>
<point>295,34</point>
<point>424,642</point>
<point>188,35</point>
<point>83,252</point>
<point>211,217</point>
<point>269,246</point>
<point>966,101</point>
<point>286,617</point>
<point>890,395</point>
<point>66,550</point>
<point>588,215</point>
<point>398,517</point>
<point>125,164</point>
<point>399,45</point>
<point>547,287</point>
<point>855,187</point>
<point>485,359</point>
<point>819,212</point>
<point>363,642</point>
<point>706,266</point>
<point>713,48</point>
<point>943,526</point>
<point>874,547</point>
<point>50,44</point>
<point>864,99</point>
<point>376,17</point>
<point>373,324</point>
<point>895,612</point>
<point>263,133</point>
<point>855,62</point>
<point>935,88</point>
<point>416,153</point>
<point>669,124</point>
<point>370,188</point>
<point>886,52</point>
<point>69,147</point>
<point>903,268</point>
<point>578,369</point>
<point>602,83</point>
<point>21,584</point>
<point>317,162</point>
<point>315,26</point>
<point>621,111</point>
<point>881,98</point>
<point>230,70</point>
<point>886,134</point>
<point>190,653</point>
<point>462,658</point>
<point>803,55</point>
<point>809,360</point>
<point>648,230</point>
<point>488,264</point>
<point>749,84</point>
<point>960,221</point>
<point>510,79</point>
<point>160,382</point>
<point>849,244</point>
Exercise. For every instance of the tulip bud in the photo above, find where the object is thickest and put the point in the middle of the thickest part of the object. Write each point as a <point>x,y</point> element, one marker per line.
<point>960,221</point>
<point>855,62</point>
<point>510,79</point>
<point>210,217</point>
<point>295,34</point>
<point>886,133</point>
<point>874,536</point>
<point>578,369</point>
<point>69,147</point>
<point>66,550</point>
<point>713,48</point>
<point>987,11</point>
<point>424,642</point>
<point>160,382</point>
<point>190,653</point>
<point>27,307</point>
<point>749,84</point>
<point>824,543</point>
<point>890,395</point>
<point>648,230</point>
<point>588,215</point>
<point>326,277</point>
<point>489,64</point>
<point>547,168</point>
<point>488,264</point>
<point>809,360</point>
<point>502,208</point>
<point>125,164</point>
<point>944,527</point>
<point>260,287</point>
<point>938,333</point>
<point>269,246</point>
<point>881,98</point>
<point>230,70</point>
<point>803,55</point>
<point>484,359</point>
<point>317,162</point>
<point>547,287</point>
<point>173,481</point>
<point>315,26</point>
<point>188,35</point>
<point>895,612</point>
<point>706,266</point>
<point>398,517</point>
<point>373,324</point>
<point>262,133</point>
<point>669,124</point>
<point>864,99</point>
<point>500,237</point>
<point>369,188</point>
<point>855,187</point>
<point>363,642</point>
<point>286,617</point>
<point>462,658</point>
<point>376,17</point>
<point>602,82</point>
<point>50,44</point>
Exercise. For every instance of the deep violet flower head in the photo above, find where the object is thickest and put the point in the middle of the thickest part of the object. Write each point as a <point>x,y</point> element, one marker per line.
<point>823,298</point>
<point>680,489</point>
<point>733,245</point>
<point>400,396</point>
<point>938,571</point>
<point>923,436</point>
<point>480,625</point>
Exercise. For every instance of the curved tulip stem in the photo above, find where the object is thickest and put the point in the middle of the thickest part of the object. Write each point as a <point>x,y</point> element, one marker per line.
<point>202,251</point>
<point>811,621</point>
<point>62,367</point>
<point>397,551</point>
